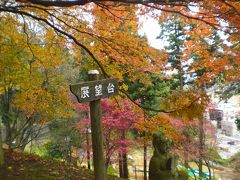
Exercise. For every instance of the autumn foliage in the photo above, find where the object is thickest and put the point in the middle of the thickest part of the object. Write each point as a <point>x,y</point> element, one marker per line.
<point>39,39</point>
<point>118,119</point>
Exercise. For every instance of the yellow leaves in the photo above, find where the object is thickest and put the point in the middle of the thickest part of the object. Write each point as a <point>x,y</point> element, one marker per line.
<point>162,122</point>
<point>32,69</point>
<point>12,50</point>
<point>49,104</point>
<point>124,87</point>
<point>153,124</point>
<point>186,105</point>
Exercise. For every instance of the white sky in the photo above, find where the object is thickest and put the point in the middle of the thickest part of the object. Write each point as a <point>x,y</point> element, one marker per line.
<point>151,29</point>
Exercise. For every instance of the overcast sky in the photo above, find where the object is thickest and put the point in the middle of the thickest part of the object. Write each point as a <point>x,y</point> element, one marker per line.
<point>151,29</point>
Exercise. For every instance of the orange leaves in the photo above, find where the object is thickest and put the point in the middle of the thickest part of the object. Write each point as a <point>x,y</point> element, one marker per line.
<point>227,10</point>
<point>163,122</point>
<point>119,48</point>
<point>187,106</point>
<point>207,55</point>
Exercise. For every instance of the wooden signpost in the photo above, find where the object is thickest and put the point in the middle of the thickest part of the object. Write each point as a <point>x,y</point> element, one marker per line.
<point>92,91</point>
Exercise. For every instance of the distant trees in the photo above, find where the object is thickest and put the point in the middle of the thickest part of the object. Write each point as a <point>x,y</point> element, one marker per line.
<point>64,141</point>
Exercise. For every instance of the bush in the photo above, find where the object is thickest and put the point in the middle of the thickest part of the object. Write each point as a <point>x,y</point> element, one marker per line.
<point>183,174</point>
<point>39,151</point>
<point>237,122</point>
<point>54,150</point>
<point>112,171</point>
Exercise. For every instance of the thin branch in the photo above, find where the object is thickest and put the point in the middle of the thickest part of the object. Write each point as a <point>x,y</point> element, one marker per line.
<point>231,6</point>
<point>188,166</point>
<point>16,11</point>
<point>108,9</point>
<point>27,36</point>
<point>65,23</point>
<point>56,3</point>
<point>215,26</point>
<point>66,3</point>
<point>142,106</point>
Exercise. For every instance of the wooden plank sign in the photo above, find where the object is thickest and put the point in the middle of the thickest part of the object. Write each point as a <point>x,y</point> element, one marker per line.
<point>94,90</point>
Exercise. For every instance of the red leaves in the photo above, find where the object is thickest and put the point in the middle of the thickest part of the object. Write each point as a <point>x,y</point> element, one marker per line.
<point>117,118</point>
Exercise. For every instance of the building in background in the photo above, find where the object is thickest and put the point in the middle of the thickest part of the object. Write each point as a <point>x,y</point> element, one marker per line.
<point>224,112</point>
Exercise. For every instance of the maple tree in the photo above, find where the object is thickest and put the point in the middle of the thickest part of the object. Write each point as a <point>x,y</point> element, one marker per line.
<point>186,104</point>
<point>74,25</point>
<point>32,90</point>
<point>84,127</point>
<point>118,119</point>
<point>192,50</point>
<point>107,32</point>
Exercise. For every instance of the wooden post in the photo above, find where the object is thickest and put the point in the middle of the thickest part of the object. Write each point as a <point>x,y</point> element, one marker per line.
<point>135,169</point>
<point>88,150</point>
<point>97,135</point>
<point>92,92</point>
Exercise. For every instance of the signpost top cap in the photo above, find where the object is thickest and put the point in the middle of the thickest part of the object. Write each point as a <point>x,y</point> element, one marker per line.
<point>93,72</point>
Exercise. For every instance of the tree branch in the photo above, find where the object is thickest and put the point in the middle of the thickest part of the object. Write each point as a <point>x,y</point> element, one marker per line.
<point>66,3</point>
<point>16,11</point>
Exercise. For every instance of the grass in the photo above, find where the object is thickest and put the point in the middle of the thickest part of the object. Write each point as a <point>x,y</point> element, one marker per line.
<point>234,162</point>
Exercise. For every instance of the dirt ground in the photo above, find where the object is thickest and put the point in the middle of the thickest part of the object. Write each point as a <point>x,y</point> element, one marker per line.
<point>22,166</point>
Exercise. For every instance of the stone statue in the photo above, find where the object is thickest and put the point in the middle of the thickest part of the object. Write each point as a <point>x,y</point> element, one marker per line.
<point>163,165</point>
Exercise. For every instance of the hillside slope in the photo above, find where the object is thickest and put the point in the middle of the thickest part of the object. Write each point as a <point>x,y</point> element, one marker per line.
<point>19,166</point>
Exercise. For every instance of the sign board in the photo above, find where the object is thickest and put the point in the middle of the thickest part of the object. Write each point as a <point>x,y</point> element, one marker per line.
<point>94,90</point>
<point>216,114</point>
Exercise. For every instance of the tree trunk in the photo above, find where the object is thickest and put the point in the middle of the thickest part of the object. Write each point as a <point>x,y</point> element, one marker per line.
<point>219,126</point>
<point>6,117</point>
<point>124,156</point>
<point>145,161</point>
<point>201,146</point>
<point>123,165</point>
<point>209,169</point>
<point>120,165</point>
<point>1,148</point>
<point>144,153</point>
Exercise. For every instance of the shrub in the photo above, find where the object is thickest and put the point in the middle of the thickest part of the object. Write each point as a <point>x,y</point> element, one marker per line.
<point>237,122</point>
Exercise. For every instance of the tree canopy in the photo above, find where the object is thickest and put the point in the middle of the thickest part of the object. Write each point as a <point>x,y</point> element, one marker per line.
<point>77,21</point>
<point>106,33</point>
